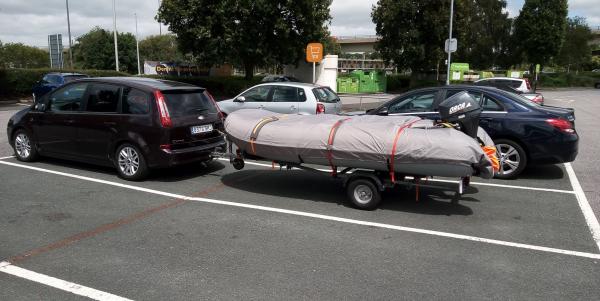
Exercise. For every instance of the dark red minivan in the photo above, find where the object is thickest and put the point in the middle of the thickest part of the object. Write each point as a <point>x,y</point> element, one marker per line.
<point>133,124</point>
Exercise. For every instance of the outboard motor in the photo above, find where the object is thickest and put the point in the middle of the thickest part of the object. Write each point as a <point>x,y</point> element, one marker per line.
<point>462,109</point>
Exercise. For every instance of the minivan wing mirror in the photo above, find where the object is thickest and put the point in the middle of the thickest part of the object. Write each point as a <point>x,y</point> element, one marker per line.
<point>240,99</point>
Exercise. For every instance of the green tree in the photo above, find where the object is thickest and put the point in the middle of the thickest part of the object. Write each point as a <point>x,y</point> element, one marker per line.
<point>95,50</point>
<point>576,51</point>
<point>540,30</point>
<point>18,55</point>
<point>483,31</point>
<point>160,48</point>
<point>331,46</point>
<point>249,32</point>
<point>412,32</point>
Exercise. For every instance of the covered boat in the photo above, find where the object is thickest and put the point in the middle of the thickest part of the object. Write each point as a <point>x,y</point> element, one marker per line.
<point>403,145</point>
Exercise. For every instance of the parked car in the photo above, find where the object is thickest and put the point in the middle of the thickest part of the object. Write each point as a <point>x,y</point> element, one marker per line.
<point>133,124</point>
<point>519,84</point>
<point>515,85</point>
<point>524,132</point>
<point>279,78</point>
<point>52,81</point>
<point>286,98</point>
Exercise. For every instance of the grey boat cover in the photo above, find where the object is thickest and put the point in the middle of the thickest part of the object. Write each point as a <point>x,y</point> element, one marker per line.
<point>405,145</point>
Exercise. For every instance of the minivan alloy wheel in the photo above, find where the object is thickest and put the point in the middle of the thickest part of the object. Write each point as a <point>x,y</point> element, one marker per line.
<point>509,158</point>
<point>23,145</point>
<point>129,161</point>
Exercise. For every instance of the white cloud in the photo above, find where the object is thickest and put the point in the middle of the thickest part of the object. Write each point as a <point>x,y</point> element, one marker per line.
<point>31,21</point>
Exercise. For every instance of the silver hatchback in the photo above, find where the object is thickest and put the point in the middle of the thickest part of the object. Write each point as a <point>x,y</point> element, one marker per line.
<point>286,98</point>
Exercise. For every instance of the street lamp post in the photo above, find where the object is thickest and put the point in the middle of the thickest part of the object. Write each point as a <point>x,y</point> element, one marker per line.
<point>69,30</point>
<point>449,42</point>
<point>159,25</point>
<point>137,45</point>
<point>115,35</point>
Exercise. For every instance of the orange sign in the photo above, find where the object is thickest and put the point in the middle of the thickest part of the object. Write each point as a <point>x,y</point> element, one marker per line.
<point>314,52</point>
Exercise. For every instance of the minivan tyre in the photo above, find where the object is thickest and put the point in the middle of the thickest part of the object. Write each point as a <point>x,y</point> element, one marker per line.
<point>24,146</point>
<point>363,194</point>
<point>130,162</point>
<point>512,147</point>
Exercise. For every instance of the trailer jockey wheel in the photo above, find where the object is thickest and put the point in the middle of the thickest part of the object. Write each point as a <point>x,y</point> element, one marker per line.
<point>238,163</point>
<point>363,194</point>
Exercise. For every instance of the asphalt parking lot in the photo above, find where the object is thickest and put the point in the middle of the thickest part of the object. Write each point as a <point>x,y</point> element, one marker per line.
<point>210,232</point>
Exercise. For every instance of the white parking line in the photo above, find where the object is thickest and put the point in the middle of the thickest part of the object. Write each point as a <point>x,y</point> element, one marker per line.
<point>8,157</point>
<point>321,216</point>
<point>588,213</point>
<point>450,181</point>
<point>67,286</point>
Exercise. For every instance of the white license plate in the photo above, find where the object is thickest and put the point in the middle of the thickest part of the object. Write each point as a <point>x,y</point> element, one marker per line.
<point>199,129</point>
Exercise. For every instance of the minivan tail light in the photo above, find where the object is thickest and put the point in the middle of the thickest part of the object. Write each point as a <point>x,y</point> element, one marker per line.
<point>163,111</point>
<point>561,124</point>
<point>320,108</point>
<point>214,103</point>
<point>528,84</point>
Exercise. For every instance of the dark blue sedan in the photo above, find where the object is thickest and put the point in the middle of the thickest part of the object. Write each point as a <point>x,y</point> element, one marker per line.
<point>52,81</point>
<point>523,131</point>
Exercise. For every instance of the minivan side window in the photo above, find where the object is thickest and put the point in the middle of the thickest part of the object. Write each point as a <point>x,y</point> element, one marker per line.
<point>257,94</point>
<point>135,102</point>
<point>103,98</point>
<point>288,94</point>
<point>68,98</point>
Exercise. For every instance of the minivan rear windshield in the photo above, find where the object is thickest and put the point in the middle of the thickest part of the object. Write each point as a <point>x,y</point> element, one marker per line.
<point>325,94</point>
<point>184,103</point>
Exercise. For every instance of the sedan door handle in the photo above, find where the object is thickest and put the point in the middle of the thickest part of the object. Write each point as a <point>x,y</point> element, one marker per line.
<point>70,121</point>
<point>110,123</point>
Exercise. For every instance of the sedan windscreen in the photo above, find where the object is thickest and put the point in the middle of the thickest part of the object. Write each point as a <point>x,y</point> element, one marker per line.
<point>184,103</point>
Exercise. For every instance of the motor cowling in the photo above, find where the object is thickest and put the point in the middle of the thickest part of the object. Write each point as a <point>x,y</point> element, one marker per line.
<point>462,109</point>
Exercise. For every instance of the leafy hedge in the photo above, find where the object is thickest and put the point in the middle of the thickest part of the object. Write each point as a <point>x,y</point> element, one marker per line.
<point>583,79</point>
<point>402,83</point>
<point>15,82</point>
<point>18,82</point>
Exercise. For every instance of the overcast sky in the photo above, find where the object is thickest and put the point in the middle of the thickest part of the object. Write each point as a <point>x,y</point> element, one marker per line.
<point>31,21</point>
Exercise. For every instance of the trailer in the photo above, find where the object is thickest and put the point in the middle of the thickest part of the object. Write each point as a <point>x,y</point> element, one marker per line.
<point>369,154</point>
<point>364,187</point>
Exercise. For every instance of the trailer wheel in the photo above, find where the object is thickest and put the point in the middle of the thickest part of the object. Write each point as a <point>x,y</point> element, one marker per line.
<point>363,194</point>
<point>238,164</point>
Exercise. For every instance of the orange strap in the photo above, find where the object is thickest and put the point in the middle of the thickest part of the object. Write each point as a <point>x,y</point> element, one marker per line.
<point>256,130</point>
<point>332,133</point>
<point>400,130</point>
<point>490,151</point>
